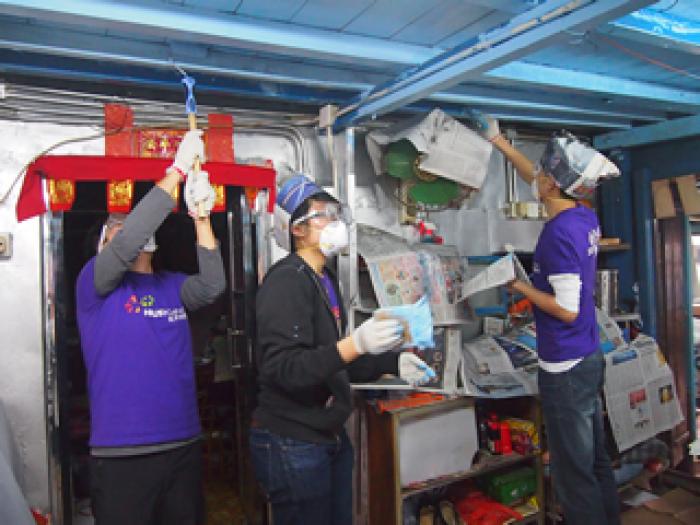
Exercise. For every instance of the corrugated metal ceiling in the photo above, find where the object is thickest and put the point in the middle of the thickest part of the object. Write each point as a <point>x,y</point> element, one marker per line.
<point>626,68</point>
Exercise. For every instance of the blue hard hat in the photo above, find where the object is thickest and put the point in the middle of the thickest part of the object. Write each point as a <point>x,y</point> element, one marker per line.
<point>295,191</point>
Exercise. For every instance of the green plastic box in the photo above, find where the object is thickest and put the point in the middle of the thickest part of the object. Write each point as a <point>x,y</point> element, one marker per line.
<point>512,486</point>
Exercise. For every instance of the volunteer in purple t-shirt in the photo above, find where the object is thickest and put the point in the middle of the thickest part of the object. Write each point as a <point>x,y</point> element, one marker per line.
<point>571,365</point>
<point>300,451</point>
<point>145,464</point>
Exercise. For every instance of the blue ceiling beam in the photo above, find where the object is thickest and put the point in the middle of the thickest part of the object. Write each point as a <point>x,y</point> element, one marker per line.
<point>111,75</point>
<point>47,41</point>
<point>173,22</point>
<point>659,28</point>
<point>507,6</point>
<point>231,31</point>
<point>670,130</point>
<point>15,63</point>
<point>524,34</point>
<point>581,81</point>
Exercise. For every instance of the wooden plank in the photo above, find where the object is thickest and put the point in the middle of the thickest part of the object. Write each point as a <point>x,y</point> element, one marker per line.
<point>672,314</point>
<point>382,468</point>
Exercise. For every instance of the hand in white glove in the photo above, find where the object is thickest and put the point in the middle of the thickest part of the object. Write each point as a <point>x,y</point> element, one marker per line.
<point>486,125</point>
<point>414,370</point>
<point>376,336</point>
<point>198,189</point>
<point>191,146</point>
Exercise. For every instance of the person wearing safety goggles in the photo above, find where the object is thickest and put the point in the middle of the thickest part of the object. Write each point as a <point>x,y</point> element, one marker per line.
<point>301,453</point>
<point>145,447</point>
<point>571,365</point>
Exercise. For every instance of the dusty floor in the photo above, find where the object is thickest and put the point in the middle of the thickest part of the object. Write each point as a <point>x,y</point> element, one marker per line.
<point>223,506</point>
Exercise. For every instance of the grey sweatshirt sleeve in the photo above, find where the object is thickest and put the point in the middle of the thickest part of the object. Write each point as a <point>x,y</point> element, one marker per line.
<point>202,289</point>
<point>117,257</point>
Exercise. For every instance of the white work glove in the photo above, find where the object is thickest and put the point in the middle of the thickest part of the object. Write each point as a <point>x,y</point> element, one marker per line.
<point>198,189</point>
<point>191,146</point>
<point>486,125</point>
<point>414,370</point>
<point>376,336</point>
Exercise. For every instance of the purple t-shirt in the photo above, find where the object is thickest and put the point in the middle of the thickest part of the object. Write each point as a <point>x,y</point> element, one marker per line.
<point>568,244</point>
<point>138,354</point>
<point>332,297</point>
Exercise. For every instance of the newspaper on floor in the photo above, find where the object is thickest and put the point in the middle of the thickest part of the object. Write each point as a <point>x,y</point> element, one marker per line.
<point>640,393</point>
<point>498,367</point>
<point>499,273</point>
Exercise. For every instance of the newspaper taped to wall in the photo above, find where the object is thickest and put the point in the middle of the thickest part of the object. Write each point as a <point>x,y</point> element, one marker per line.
<point>499,273</point>
<point>498,367</point>
<point>405,276</point>
<point>640,393</point>
<point>447,148</point>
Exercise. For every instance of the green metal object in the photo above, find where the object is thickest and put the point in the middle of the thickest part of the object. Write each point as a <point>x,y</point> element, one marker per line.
<point>401,159</point>
<point>439,192</point>
<point>512,486</point>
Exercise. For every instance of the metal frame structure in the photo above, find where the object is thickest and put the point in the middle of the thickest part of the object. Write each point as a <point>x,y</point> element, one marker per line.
<point>236,55</point>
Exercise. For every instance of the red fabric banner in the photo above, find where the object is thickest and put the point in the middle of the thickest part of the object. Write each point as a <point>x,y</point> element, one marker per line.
<point>89,168</point>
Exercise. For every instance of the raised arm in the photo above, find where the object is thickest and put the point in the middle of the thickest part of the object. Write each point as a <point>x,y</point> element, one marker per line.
<point>488,128</point>
<point>117,257</point>
<point>203,288</point>
<point>524,166</point>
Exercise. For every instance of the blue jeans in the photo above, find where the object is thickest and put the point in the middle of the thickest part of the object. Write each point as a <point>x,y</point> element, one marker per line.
<point>582,475</point>
<point>306,483</point>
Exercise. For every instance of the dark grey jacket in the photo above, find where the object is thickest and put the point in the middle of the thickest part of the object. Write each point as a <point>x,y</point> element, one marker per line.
<point>304,384</point>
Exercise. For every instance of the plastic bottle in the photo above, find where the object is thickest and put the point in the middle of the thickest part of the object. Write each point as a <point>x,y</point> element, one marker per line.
<point>494,433</point>
<point>506,445</point>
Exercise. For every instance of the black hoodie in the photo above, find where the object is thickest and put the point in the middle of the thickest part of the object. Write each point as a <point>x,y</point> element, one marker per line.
<point>304,384</point>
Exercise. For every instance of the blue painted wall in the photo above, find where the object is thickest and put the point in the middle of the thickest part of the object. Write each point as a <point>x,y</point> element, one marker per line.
<point>626,211</point>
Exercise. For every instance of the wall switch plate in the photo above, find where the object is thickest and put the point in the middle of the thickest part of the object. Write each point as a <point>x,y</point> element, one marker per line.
<point>5,245</point>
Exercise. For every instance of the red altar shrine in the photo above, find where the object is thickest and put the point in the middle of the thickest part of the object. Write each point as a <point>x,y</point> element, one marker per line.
<point>138,154</point>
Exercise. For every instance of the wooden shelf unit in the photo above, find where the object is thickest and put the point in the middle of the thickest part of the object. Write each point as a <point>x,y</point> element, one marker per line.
<point>386,495</point>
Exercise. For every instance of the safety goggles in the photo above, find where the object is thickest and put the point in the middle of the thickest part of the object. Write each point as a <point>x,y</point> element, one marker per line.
<point>331,212</point>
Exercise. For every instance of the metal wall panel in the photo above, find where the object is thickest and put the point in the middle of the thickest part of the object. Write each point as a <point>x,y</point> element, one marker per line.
<point>22,304</point>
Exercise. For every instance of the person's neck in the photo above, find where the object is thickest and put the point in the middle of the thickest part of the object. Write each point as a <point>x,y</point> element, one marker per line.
<point>313,257</point>
<point>556,205</point>
<point>143,263</point>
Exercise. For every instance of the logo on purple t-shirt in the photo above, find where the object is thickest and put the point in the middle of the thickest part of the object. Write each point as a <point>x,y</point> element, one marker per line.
<point>568,245</point>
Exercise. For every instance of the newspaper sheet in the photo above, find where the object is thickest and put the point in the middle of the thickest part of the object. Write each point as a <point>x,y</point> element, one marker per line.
<point>640,393</point>
<point>445,359</point>
<point>498,367</point>
<point>609,332</point>
<point>405,276</point>
<point>398,278</point>
<point>501,272</point>
<point>444,270</point>
<point>447,148</point>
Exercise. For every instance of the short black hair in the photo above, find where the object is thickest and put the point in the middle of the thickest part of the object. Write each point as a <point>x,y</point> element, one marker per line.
<point>304,208</point>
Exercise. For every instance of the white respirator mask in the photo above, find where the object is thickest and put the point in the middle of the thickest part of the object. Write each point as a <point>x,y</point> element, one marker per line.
<point>333,238</point>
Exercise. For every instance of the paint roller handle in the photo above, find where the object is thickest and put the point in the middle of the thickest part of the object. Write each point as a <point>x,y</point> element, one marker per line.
<point>197,166</point>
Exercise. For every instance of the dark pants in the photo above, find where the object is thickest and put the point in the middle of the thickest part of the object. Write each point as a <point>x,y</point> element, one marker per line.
<point>152,489</point>
<point>306,483</point>
<point>582,475</point>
